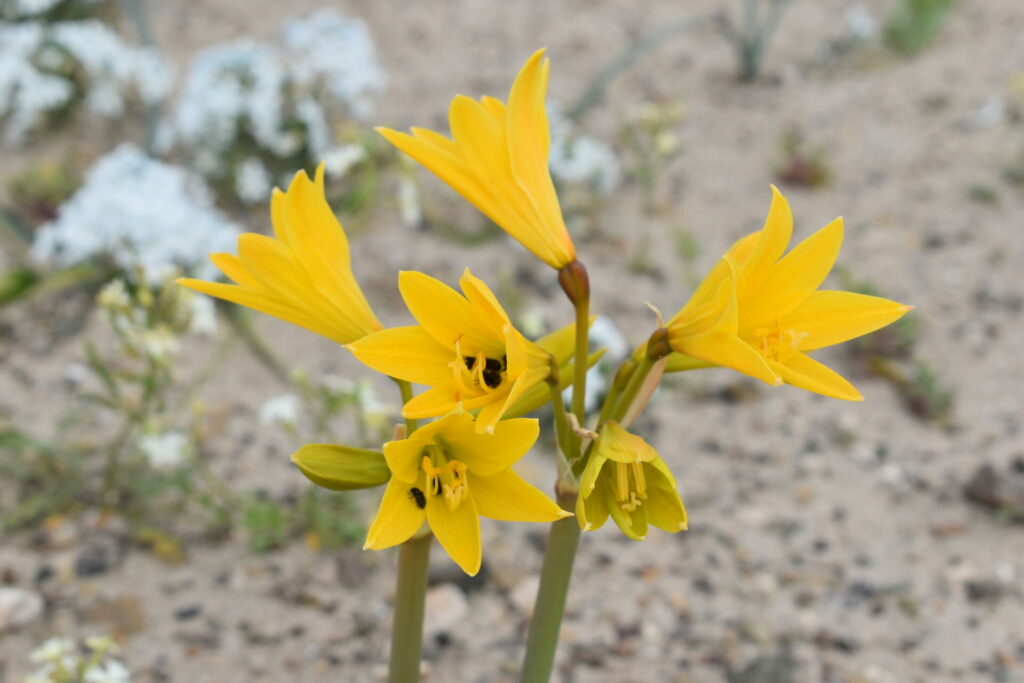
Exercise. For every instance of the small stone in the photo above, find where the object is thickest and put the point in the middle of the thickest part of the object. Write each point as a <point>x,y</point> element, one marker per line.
<point>19,607</point>
<point>524,595</point>
<point>94,559</point>
<point>446,606</point>
<point>188,612</point>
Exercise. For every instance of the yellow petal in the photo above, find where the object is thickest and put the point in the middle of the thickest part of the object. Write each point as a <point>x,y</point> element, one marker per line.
<point>665,508</point>
<point>487,454</point>
<point>804,372</point>
<point>830,317</point>
<point>505,496</point>
<point>632,523</point>
<point>539,394</point>
<point>398,517</point>
<point>490,414</point>
<point>771,243</point>
<point>592,473</point>
<point>485,304</point>
<point>729,351</point>
<point>793,279</point>
<point>437,400</point>
<point>458,531</point>
<point>562,342</point>
<point>677,362</point>
<point>592,510</point>
<point>446,315</point>
<point>233,267</point>
<point>407,353</point>
<point>403,456</point>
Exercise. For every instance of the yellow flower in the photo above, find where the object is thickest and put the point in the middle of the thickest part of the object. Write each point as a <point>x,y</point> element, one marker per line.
<point>780,313</point>
<point>448,474</point>
<point>625,478</point>
<point>304,276</point>
<point>498,161</point>
<point>464,348</point>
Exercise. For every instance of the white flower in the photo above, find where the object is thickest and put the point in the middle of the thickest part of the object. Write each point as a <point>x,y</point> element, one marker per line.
<point>165,451</point>
<point>142,213</point>
<point>114,296</point>
<point>578,158</point>
<point>409,203</point>
<point>111,671</point>
<point>283,410</point>
<point>204,316</point>
<point>860,22</point>
<point>53,650</point>
<point>339,160</point>
<point>158,343</point>
<point>252,181</point>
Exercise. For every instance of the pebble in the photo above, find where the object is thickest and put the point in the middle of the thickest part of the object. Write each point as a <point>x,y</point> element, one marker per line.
<point>524,594</point>
<point>446,606</point>
<point>19,607</point>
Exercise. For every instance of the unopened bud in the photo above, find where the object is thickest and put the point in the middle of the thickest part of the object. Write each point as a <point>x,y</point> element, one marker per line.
<point>575,282</point>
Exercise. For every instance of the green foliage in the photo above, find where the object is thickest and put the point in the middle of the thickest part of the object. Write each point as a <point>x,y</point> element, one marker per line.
<point>751,36</point>
<point>801,164</point>
<point>914,24</point>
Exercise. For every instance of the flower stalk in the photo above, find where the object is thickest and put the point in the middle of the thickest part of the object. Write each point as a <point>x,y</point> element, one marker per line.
<point>576,284</point>
<point>410,599</point>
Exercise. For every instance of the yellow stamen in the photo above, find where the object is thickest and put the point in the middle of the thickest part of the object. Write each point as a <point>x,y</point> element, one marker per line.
<point>629,497</point>
<point>445,478</point>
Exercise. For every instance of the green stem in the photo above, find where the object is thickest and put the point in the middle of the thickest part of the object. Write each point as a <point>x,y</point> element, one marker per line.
<point>636,381</point>
<point>579,385</point>
<point>563,539</point>
<point>562,430</point>
<point>410,597</point>
<point>406,388</point>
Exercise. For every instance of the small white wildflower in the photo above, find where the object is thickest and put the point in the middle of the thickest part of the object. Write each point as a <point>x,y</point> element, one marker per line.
<point>252,181</point>
<point>578,158</point>
<point>52,650</point>
<point>409,203</point>
<point>204,316</point>
<point>165,451</point>
<point>860,22</point>
<point>158,343</point>
<point>336,384</point>
<point>283,410</point>
<point>339,160</point>
<point>114,296</point>
<point>110,671</point>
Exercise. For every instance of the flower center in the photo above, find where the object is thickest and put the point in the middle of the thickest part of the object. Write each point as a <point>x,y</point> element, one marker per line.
<point>778,344</point>
<point>479,371</point>
<point>445,477</point>
<point>629,485</point>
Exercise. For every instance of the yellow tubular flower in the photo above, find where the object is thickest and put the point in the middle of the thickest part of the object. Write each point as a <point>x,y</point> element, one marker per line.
<point>780,311</point>
<point>498,161</point>
<point>625,478</point>
<point>302,275</point>
<point>447,475</point>
<point>464,348</point>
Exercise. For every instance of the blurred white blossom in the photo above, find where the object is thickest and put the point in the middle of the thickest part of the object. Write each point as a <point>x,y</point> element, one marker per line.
<point>142,213</point>
<point>165,451</point>
<point>283,410</point>
<point>579,158</point>
<point>44,68</point>
<point>252,181</point>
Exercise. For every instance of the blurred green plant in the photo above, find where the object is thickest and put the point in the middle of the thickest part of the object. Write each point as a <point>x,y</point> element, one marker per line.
<point>62,660</point>
<point>650,144</point>
<point>801,164</point>
<point>914,23</point>
<point>752,34</point>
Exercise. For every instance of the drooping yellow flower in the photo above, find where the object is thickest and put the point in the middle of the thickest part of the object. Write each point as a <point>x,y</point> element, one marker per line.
<point>781,314</point>
<point>627,479</point>
<point>303,274</point>
<point>498,161</point>
<point>448,475</point>
<point>464,348</point>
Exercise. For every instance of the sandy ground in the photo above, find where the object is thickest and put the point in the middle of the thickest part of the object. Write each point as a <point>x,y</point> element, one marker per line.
<point>829,541</point>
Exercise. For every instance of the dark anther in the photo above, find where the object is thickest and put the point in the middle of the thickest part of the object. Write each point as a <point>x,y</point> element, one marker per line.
<point>470,361</point>
<point>493,365</point>
<point>504,362</point>
<point>418,497</point>
<point>437,487</point>
<point>492,378</point>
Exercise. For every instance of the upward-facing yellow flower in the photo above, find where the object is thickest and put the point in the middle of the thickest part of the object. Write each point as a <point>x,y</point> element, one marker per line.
<point>447,475</point>
<point>304,276</point>
<point>498,161</point>
<point>779,311</point>
<point>464,348</point>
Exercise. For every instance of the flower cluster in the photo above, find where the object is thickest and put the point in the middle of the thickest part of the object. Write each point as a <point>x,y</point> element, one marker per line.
<point>143,214</point>
<point>250,110</point>
<point>759,312</point>
<point>48,69</point>
<point>63,660</point>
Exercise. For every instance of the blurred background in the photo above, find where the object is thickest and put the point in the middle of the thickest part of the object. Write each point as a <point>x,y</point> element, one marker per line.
<point>153,528</point>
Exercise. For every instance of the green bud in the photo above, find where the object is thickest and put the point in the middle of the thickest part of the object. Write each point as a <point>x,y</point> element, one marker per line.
<point>341,468</point>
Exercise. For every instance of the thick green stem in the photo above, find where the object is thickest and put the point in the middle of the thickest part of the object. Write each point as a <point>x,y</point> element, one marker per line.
<point>562,430</point>
<point>563,539</point>
<point>410,597</point>
<point>579,384</point>
<point>636,380</point>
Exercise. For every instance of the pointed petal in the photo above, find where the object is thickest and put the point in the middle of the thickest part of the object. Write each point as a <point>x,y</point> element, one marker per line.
<point>438,400</point>
<point>772,243</point>
<point>793,279</point>
<point>398,517</point>
<point>403,457</point>
<point>341,468</point>
<point>677,362</point>
<point>487,454</point>
<point>408,353</point>
<point>804,372</point>
<point>484,303</point>
<point>486,421</point>
<point>539,394</point>
<point>720,348</point>
<point>233,267</point>
<point>830,317</point>
<point>446,315</point>
<point>665,509</point>
<point>592,473</point>
<point>458,531</point>
<point>592,510</point>
<point>506,497</point>
<point>633,524</point>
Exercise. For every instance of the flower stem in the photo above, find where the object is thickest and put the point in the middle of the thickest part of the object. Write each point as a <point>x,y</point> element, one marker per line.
<point>410,597</point>
<point>406,389</point>
<point>562,431</point>
<point>563,539</point>
<point>636,380</point>
<point>579,385</point>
